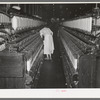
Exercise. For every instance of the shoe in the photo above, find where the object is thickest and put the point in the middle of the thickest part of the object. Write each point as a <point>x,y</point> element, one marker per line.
<point>50,58</point>
<point>46,58</point>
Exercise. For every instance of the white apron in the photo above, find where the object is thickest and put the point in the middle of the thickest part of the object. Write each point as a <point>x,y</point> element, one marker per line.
<point>48,40</point>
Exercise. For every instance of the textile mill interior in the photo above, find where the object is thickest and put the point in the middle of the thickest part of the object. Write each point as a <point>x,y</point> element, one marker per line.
<point>76,35</point>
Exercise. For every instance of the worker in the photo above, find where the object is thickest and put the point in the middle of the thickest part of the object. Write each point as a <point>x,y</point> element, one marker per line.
<point>47,36</point>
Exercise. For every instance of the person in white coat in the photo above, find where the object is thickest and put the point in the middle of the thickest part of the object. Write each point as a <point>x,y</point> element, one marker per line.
<point>47,34</point>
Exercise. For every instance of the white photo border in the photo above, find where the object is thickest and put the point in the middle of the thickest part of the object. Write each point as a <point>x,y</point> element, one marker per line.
<point>49,93</point>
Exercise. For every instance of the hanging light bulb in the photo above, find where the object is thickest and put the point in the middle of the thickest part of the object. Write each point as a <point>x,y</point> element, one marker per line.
<point>96,11</point>
<point>96,15</point>
<point>17,7</point>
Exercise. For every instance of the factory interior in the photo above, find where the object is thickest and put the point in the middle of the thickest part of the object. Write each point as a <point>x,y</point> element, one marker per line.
<point>76,33</point>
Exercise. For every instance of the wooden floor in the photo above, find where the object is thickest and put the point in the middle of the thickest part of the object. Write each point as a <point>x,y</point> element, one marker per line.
<point>51,73</point>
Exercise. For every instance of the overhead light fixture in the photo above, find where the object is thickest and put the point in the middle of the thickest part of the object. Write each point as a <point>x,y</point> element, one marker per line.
<point>96,11</point>
<point>37,16</point>
<point>16,7</point>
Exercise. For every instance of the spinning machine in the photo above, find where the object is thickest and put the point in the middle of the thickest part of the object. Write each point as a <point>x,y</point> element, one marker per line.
<point>21,51</point>
<point>79,43</point>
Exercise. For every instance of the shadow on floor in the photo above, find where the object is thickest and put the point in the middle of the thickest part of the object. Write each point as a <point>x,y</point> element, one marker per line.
<point>51,73</point>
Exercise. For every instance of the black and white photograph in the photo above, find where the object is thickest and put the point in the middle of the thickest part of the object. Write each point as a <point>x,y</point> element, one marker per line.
<point>49,45</point>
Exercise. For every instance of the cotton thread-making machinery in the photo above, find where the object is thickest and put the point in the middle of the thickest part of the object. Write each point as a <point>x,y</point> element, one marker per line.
<point>21,51</point>
<point>79,43</point>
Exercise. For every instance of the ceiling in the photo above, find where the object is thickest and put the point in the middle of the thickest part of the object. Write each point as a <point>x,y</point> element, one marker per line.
<point>48,11</point>
<point>66,11</point>
<point>69,11</point>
